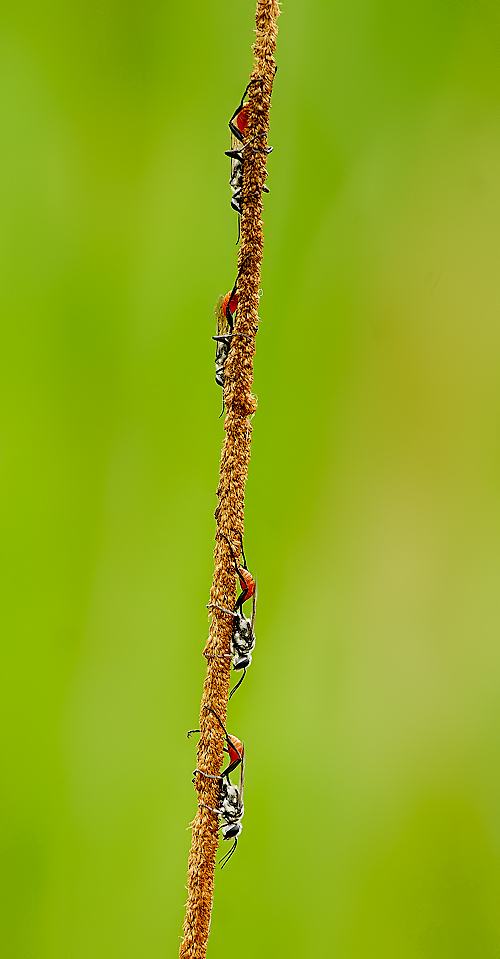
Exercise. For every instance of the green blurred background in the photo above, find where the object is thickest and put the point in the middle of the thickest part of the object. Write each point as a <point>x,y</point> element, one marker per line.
<point>371,712</point>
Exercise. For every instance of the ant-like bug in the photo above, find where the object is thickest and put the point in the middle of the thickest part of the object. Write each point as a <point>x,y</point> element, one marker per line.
<point>238,132</point>
<point>242,639</point>
<point>230,805</point>
<point>243,636</point>
<point>225,309</point>
<point>233,746</point>
<point>247,582</point>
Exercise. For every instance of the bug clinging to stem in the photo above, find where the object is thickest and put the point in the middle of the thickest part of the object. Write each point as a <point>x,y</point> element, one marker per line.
<point>242,639</point>
<point>243,635</point>
<point>238,126</point>
<point>233,747</point>
<point>247,582</point>
<point>230,803</point>
<point>225,310</point>
<point>231,810</point>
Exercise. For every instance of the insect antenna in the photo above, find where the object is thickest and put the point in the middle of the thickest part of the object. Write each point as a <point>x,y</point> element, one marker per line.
<point>238,683</point>
<point>223,862</point>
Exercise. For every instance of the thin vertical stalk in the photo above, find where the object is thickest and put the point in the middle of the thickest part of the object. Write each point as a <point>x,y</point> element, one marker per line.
<point>240,407</point>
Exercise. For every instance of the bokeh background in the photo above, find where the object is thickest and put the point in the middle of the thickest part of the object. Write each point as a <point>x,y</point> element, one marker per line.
<point>371,711</point>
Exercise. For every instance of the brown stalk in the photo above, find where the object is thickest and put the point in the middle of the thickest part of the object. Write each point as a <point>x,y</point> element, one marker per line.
<point>240,406</point>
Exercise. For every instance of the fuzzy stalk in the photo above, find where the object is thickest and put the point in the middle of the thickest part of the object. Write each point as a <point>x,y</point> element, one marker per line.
<point>240,407</point>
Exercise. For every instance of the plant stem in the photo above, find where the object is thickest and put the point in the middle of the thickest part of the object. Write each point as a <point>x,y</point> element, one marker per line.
<point>240,406</point>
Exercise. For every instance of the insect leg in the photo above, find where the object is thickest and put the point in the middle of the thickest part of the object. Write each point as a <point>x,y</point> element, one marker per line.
<point>259,149</point>
<point>242,598</point>
<point>209,807</point>
<point>224,610</point>
<point>226,336</point>
<point>238,110</point>
<point>243,551</point>
<point>207,775</point>
<point>234,154</point>
<point>232,554</point>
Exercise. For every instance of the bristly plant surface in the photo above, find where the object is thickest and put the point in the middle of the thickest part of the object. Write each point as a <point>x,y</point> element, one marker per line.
<point>240,406</point>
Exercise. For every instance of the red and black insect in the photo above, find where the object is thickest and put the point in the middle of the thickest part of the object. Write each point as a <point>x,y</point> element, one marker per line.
<point>225,310</point>
<point>242,639</point>
<point>231,810</point>
<point>230,803</point>
<point>243,635</point>
<point>238,126</point>
<point>247,582</point>
<point>233,746</point>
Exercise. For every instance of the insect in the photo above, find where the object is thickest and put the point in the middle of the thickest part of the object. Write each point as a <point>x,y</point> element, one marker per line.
<point>246,579</point>
<point>233,746</point>
<point>230,805</point>
<point>231,810</point>
<point>238,132</point>
<point>225,309</point>
<point>243,635</point>
<point>242,639</point>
